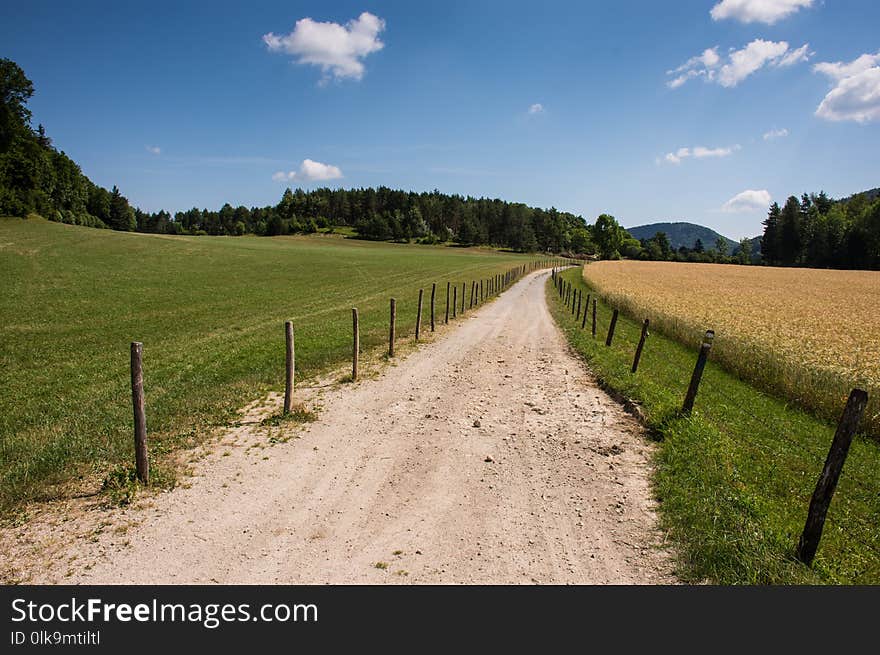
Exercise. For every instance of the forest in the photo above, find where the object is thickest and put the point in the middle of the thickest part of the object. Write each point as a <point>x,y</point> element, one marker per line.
<point>36,178</point>
<point>817,232</point>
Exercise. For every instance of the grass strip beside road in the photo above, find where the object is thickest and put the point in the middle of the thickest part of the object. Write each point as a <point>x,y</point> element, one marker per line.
<point>210,312</point>
<point>734,479</point>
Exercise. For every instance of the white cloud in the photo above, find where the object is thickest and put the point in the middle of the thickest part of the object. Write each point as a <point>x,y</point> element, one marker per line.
<point>796,56</point>
<point>701,153</point>
<point>839,70</point>
<point>536,108</point>
<point>154,150</point>
<point>730,70</point>
<point>337,49</point>
<point>775,134</point>
<point>698,152</point>
<point>856,94</point>
<point>310,171</point>
<point>750,200</point>
<point>757,11</point>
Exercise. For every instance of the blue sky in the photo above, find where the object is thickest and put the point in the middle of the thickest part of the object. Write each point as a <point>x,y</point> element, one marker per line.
<point>573,105</point>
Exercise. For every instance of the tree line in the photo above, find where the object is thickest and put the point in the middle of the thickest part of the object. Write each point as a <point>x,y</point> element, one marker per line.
<point>818,232</point>
<point>37,178</point>
<point>388,214</point>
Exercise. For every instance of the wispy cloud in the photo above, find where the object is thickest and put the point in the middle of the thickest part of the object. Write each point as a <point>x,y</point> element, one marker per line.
<point>154,150</point>
<point>337,49</point>
<point>748,201</point>
<point>697,152</point>
<point>737,65</point>
<point>536,108</point>
<point>855,95</point>
<point>757,11</point>
<point>310,171</point>
<point>775,134</point>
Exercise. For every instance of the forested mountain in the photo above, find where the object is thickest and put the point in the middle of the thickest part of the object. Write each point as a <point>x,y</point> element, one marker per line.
<point>681,234</point>
<point>819,232</point>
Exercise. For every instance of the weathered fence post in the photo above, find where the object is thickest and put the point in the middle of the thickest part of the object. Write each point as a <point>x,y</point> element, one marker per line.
<point>481,291</point>
<point>433,293</point>
<point>462,297</point>
<point>446,320</point>
<point>705,347</point>
<point>580,298</point>
<point>419,315</point>
<point>355,343</point>
<point>586,311</point>
<point>611,328</point>
<point>846,428</point>
<point>289,366</point>
<point>454,301</point>
<point>635,366</point>
<point>391,330</point>
<point>594,318</point>
<point>141,461</point>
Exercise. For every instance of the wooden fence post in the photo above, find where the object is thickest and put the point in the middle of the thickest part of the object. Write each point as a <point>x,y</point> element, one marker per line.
<point>705,347</point>
<point>391,330</point>
<point>635,366</point>
<point>846,428</point>
<point>355,343</point>
<point>481,291</point>
<point>462,297</point>
<point>580,298</point>
<point>419,315</point>
<point>611,328</point>
<point>433,293</point>
<point>454,301</point>
<point>289,364</point>
<point>446,320</point>
<point>586,311</point>
<point>594,318</point>
<point>141,460</point>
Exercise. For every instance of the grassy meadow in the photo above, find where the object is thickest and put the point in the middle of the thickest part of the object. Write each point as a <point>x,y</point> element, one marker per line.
<point>734,479</point>
<point>210,312</point>
<point>808,335</point>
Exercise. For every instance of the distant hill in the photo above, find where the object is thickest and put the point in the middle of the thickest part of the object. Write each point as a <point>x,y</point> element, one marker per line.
<point>870,195</point>
<point>682,234</point>
<point>686,234</point>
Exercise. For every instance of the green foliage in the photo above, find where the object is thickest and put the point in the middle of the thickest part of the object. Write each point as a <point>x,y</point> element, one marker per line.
<point>35,178</point>
<point>817,232</point>
<point>210,313</point>
<point>608,236</point>
<point>734,480</point>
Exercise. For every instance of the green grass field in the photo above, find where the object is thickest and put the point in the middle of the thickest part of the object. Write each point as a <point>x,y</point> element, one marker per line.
<point>734,480</point>
<point>210,312</point>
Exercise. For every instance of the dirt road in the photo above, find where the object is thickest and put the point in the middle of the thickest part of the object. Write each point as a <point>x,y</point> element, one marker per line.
<point>487,456</point>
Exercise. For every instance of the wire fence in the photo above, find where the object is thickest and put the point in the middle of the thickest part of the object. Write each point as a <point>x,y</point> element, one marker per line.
<point>783,438</point>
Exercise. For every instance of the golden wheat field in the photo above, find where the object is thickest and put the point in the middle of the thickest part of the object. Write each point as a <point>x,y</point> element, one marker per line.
<point>808,334</point>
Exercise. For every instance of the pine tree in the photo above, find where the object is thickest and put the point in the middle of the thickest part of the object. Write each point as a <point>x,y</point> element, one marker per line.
<point>770,239</point>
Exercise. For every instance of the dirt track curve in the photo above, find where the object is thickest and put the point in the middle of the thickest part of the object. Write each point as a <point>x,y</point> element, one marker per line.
<point>488,456</point>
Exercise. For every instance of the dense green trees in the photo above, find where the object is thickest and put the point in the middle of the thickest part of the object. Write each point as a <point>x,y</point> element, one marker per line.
<point>388,214</point>
<point>36,178</point>
<point>818,232</point>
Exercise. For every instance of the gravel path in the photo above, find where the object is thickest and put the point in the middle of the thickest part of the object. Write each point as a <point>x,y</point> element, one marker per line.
<point>488,456</point>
